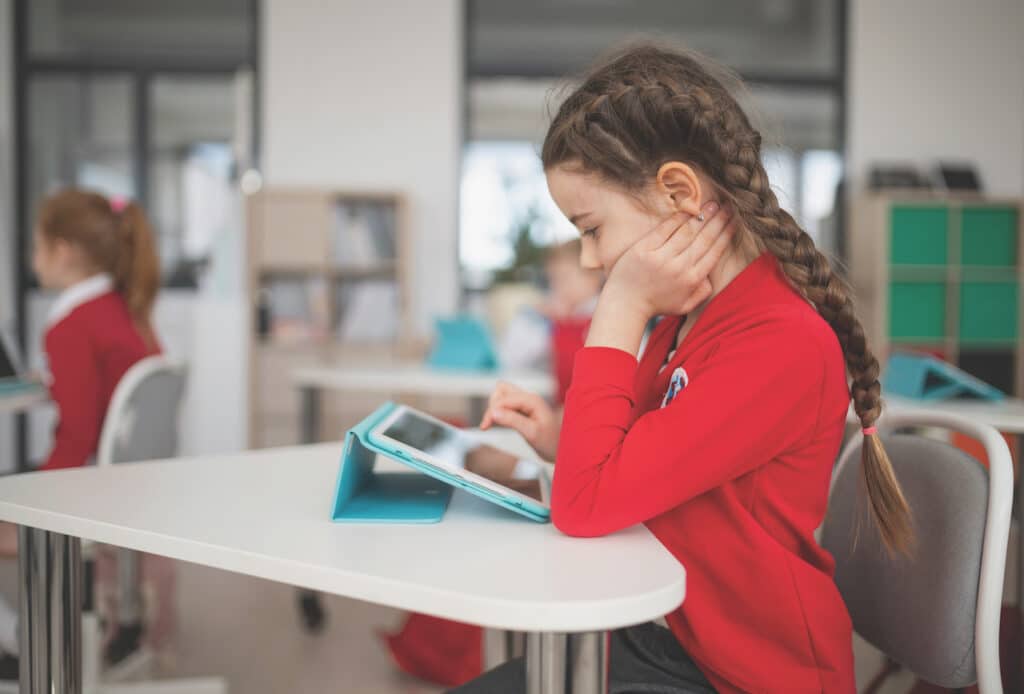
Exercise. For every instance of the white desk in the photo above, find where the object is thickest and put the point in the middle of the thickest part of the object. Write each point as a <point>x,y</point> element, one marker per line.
<point>1006,416</point>
<point>266,514</point>
<point>21,401</point>
<point>410,378</point>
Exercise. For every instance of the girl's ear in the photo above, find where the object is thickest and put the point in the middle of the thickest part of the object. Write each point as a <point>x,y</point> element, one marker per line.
<point>679,185</point>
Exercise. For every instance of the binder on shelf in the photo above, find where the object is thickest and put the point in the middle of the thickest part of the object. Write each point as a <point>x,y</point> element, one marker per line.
<point>363,233</point>
<point>924,377</point>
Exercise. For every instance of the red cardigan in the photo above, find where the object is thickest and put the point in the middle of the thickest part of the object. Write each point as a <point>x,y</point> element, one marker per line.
<point>88,351</point>
<point>732,476</point>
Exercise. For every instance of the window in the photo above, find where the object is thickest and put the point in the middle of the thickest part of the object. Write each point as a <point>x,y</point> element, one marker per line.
<point>788,51</point>
<point>139,99</point>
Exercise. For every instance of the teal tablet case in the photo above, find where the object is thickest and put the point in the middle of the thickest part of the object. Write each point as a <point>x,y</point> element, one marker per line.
<point>924,377</point>
<point>14,386</point>
<point>365,495</point>
<point>463,342</point>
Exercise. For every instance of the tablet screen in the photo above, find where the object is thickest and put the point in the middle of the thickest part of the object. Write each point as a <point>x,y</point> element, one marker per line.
<point>458,450</point>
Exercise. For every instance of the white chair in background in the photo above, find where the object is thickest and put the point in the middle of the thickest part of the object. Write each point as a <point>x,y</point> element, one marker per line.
<point>141,424</point>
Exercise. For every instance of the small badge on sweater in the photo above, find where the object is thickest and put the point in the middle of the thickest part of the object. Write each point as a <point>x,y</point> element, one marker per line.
<point>675,385</point>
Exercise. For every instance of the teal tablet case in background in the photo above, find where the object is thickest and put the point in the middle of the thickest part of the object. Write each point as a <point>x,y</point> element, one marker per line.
<point>463,343</point>
<point>420,496</point>
<point>16,386</point>
<point>924,377</point>
<point>367,496</point>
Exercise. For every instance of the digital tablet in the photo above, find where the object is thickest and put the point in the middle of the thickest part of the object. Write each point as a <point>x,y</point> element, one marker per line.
<point>463,459</point>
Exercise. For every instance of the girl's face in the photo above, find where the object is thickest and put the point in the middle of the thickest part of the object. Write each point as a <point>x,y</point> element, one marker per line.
<point>53,261</point>
<point>608,219</point>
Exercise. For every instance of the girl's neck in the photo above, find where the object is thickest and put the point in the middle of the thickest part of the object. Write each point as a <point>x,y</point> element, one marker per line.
<point>735,261</point>
<point>72,276</point>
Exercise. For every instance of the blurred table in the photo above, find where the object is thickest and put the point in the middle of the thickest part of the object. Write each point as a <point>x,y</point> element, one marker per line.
<point>410,379</point>
<point>22,400</point>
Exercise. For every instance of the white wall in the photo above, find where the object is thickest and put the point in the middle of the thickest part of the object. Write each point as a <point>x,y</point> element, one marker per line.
<point>367,96</point>
<point>931,79</point>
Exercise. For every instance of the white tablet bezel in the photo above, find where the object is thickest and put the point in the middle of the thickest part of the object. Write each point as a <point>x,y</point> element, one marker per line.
<point>377,433</point>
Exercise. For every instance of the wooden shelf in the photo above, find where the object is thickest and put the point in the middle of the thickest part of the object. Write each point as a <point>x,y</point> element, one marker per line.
<point>964,289</point>
<point>386,270</point>
<point>296,235</point>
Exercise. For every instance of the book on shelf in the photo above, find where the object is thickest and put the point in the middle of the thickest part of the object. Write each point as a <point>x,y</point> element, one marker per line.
<point>364,234</point>
<point>295,308</point>
<point>368,311</point>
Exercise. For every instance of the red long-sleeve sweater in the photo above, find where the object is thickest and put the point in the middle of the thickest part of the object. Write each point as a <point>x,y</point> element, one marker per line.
<point>732,476</point>
<point>88,350</point>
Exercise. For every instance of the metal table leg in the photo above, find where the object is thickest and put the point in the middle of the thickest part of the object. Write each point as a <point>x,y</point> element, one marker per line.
<point>311,608</point>
<point>50,622</point>
<point>567,663</point>
<point>309,416</point>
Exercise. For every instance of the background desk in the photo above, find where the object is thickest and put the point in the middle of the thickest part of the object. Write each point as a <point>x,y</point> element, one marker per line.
<point>266,514</point>
<point>23,400</point>
<point>411,379</point>
<point>1006,416</point>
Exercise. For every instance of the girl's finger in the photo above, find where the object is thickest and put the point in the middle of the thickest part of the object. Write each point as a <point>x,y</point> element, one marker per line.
<point>513,420</point>
<point>498,393</point>
<point>713,254</point>
<point>665,230</point>
<point>698,231</point>
<point>523,401</point>
<point>488,419</point>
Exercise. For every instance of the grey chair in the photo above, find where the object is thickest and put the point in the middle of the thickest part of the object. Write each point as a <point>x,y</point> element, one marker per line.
<point>141,424</point>
<point>936,612</point>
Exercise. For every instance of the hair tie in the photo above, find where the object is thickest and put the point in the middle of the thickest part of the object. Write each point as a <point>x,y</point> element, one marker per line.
<point>870,431</point>
<point>117,204</point>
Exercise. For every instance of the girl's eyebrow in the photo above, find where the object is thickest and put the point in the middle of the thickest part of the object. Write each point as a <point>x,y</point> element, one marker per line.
<point>577,217</point>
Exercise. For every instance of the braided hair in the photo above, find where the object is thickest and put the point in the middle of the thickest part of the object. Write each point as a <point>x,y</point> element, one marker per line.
<point>649,105</point>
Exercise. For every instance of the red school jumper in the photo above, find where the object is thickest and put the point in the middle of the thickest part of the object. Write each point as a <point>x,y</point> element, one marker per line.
<point>91,341</point>
<point>731,475</point>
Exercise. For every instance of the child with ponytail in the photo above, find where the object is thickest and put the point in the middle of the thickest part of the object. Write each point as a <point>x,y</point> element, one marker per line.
<point>99,254</point>
<point>721,438</point>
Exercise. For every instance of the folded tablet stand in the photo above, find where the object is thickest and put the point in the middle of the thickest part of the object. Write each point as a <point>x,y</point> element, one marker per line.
<point>365,495</point>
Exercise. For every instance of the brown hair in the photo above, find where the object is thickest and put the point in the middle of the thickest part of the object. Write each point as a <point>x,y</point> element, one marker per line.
<point>116,240</point>
<point>648,105</point>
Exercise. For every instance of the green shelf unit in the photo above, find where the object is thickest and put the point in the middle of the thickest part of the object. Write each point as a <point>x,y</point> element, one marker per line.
<point>988,237</point>
<point>988,311</point>
<point>920,235</point>
<point>942,274</point>
<point>917,310</point>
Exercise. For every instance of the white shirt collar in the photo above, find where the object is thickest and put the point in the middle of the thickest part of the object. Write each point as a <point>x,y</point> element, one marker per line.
<point>78,294</point>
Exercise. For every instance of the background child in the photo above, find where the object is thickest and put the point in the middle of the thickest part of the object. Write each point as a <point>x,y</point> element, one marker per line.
<point>572,297</point>
<point>100,256</point>
<point>722,437</point>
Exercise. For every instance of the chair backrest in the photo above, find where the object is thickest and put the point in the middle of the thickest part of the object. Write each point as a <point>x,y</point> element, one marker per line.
<point>142,420</point>
<point>937,611</point>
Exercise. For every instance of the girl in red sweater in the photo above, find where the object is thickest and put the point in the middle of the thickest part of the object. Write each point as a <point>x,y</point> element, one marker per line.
<point>100,256</point>
<point>722,436</point>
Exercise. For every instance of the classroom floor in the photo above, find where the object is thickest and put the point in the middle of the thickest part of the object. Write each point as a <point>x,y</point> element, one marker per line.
<point>248,630</point>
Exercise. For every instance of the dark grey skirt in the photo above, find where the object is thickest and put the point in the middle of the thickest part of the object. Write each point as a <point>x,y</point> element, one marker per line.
<point>645,659</point>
